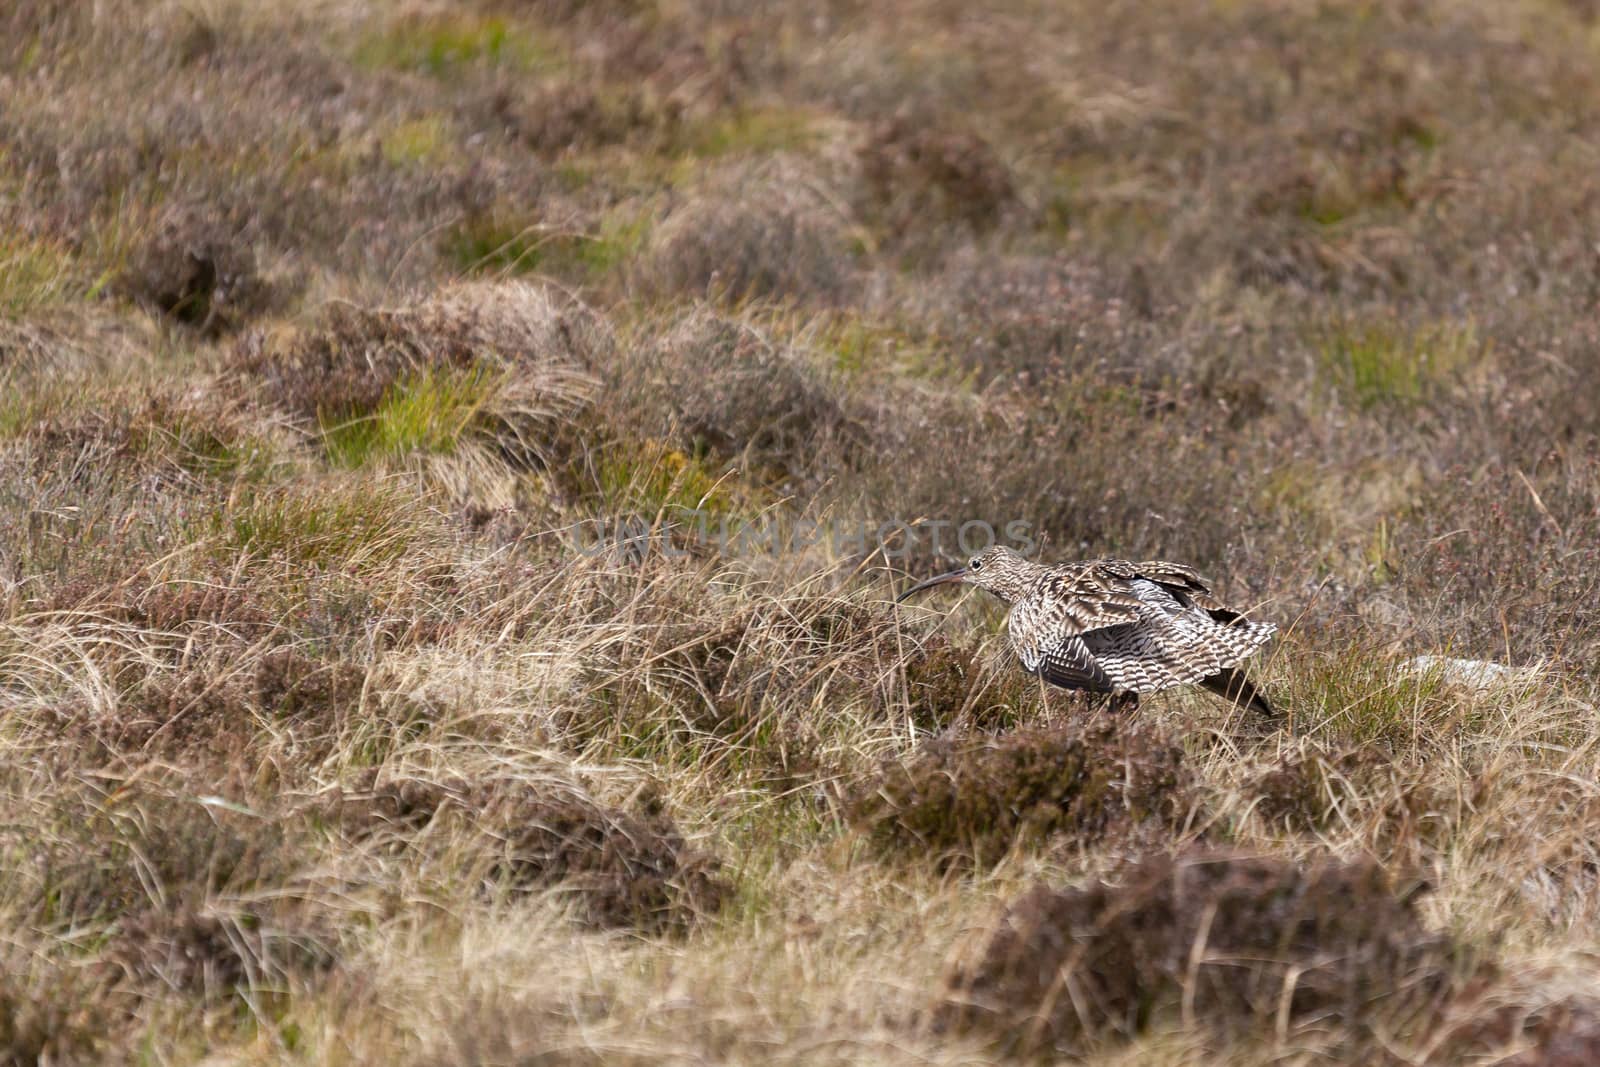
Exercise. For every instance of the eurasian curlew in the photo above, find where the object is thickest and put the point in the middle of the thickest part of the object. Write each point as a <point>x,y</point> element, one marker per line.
<point>1111,626</point>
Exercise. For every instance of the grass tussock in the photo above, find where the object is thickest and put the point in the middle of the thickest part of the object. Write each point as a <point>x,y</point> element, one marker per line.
<point>742,397</point>
<point>499,365</point>
<point>1305,790</point>
<point>35,275</point>
<point>211,951</point>
<point>910,169</point>
<point>439,45</point>
<point>777,239</point>
<point>346,528</point>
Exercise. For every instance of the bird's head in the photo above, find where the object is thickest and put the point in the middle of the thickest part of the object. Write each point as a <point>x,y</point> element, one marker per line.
<point>998,569</point>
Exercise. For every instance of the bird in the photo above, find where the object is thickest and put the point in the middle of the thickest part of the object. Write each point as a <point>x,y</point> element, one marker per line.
<point>1117,627</point>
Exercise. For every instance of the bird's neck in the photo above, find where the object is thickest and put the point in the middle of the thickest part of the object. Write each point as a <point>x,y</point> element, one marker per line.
<point>1014,583</point>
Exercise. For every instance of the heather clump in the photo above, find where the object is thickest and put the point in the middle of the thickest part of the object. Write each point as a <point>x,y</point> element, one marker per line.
<point>623,868</point>
<point>972,800</point>
<point>1238,942</point>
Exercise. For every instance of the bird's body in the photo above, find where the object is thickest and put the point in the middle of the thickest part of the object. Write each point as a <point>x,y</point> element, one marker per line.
<point>1113,626</point>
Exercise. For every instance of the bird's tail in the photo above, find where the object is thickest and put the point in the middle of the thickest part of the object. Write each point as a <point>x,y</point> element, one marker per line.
<point>1231,685</point>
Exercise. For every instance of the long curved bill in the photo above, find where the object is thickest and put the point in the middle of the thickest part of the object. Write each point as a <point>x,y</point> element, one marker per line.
<point>953,576</point>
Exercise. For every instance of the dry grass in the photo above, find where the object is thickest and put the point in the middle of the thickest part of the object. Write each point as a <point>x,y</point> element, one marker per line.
<point>330,336</point>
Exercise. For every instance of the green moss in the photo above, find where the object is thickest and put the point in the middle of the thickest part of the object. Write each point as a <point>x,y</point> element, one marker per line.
<point>30,56</point>
<point>853,348</point>
<point>1350,187</point>
<point>859,346</point>
<point>1294,489</point>
<point>1096,405</point>
<point>1106,202</point>
<point>619,240</point>
<point>25,402</point>
<point>1378,554</point>
<point>574,175</point>
<point>494,244</point>
<point>1328,208</point>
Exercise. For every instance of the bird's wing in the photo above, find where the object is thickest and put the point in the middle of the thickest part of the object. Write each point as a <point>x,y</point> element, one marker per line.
<point>1174,642</point>
<point>1156,654</point>
<point>1046,627</point>
<point>1114,625</point>
<point>1184,583</point>
<point>1060,660</point>
<point>1075,598</point>
<point>1110,625</point>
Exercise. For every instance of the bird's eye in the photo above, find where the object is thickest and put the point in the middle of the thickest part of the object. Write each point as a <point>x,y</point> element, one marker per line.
<point>976,564</point>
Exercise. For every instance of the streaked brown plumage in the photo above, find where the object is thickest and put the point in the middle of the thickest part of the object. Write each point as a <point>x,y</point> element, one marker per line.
<point>1111,626</point>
